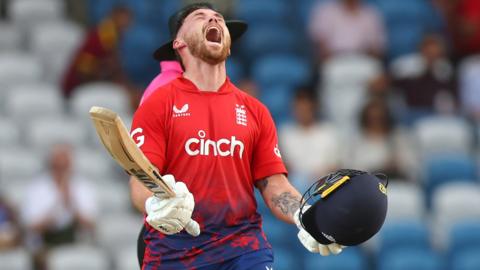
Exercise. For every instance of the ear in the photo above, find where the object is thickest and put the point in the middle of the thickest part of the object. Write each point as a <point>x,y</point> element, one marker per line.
<point>178,44</point>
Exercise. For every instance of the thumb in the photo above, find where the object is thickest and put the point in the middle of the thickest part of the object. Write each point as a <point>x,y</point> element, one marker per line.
<point>193,228</point>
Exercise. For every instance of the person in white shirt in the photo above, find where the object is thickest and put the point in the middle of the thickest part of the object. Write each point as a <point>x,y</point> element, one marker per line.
<point>310,147</point>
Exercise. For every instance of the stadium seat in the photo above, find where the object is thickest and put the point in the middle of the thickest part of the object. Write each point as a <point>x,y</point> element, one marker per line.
<point>18,67</point>
<point>126,258</point>
<point>350,70</point>
<point>466,260</point>
<point>112,194</point>
<point>18,163</point>
<point>266,11</point>
<point>235,70</point>
<point>117,231</point>
<point>77,257</point>
<point>9,133</point>
<point>54,43</point>
<point>268,39</point>
<point>464,236</point>
<point>104,94</point>
<point>411,259</point>
<point>453,203</point>
<point>94,164</point>
<point>26,13</point>
<point>16,259</point>
<point>405,202</point>
<point>443,135</point>
<point>44,101</point>
<point>278,100</point>
<point>351,258</point>
<point>283,69</point>
<point>404,234</point>
<point>276,231</point>
<point>45,132</point>
<point>445,168</point>
<point>10,37</point>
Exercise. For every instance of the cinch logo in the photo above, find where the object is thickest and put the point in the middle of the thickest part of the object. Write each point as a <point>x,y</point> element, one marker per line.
<point>205,147</point>
<point>180,112</point>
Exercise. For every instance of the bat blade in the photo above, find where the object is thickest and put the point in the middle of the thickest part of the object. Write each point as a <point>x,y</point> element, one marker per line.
<point>116,139</point>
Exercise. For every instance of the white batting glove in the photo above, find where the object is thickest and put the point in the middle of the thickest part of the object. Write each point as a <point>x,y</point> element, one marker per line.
<point>310,243</point>
<point>172,215</point>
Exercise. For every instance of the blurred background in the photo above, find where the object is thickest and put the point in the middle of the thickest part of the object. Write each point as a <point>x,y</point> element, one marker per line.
<point>380,85</point>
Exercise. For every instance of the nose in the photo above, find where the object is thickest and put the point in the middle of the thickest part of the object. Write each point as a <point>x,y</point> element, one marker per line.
<point>213,19</point>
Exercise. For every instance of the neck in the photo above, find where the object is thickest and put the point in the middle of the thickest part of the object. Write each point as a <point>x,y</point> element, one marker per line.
<point>205,76</point>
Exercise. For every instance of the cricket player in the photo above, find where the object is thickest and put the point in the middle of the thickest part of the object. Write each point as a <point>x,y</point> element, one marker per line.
<point>214,144</point>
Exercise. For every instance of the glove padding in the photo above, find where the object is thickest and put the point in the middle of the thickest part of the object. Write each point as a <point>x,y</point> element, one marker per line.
<point>172,215</point>
<point>310,243</point>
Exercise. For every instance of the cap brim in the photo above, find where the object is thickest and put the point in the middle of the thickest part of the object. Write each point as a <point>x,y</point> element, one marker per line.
<point>166,52</point>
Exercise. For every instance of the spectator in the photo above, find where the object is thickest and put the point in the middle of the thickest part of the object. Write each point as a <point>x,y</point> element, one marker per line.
<point>346,26</point>
<point>431,87</point>
<point>380,146</point>
<point>309,146</point>
<point>9,226</point>
<point>97,57</point>
<point>58,205</point>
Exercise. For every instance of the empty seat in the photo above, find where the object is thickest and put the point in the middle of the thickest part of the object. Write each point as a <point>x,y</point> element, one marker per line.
<point>466,260</point>
<point>446,168</point>
<point>235,70</point>
<point>405,202</point>
<point>54,44</point>
<point>469,82</point>
<point>109,95</point>
<point>350,259</point>
<point>411,259</point>
<point>9,133</point>
<point>29,12</point>
<point>281,69</point>
<point>18,163</point>
<point>443,134</point>
<point>126,258</point>
<point>113,196</point>
<point>404,234</point>
<point>464,236</point>
<point>284,259</point>
<point>266,11</point>
<point>350,70</point>
<point>45,132</point>
<point>453,203</point>
<point>94,164</point>
<point>118,231</point>
<point>16,259</point>
<point>17,67</point>
<point>77,257</point>
<point>25,105</point>
<point>10,37</point>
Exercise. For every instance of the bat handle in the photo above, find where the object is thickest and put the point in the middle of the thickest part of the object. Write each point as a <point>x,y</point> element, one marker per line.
<point>193,228</point>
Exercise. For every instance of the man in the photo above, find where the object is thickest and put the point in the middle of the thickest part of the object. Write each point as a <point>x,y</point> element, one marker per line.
<point>220,143</point>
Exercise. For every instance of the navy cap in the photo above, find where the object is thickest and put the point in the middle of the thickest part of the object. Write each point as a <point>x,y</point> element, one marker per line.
<point>351,207</point>
<point>166,51</point>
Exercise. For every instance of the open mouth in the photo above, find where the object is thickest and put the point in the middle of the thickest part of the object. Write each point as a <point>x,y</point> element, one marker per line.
<point>213,34</point>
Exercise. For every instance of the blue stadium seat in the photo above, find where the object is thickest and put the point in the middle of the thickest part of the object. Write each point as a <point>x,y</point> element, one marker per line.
<point>136,49</point>
<point>411,259</point>
<point>268,39</point>
<point>443,169</point>
<point>350,259</point>
<point>284,259</point>
<point>235,70</point>
<point>278,99</point>
<point>265,11</point>
<point>464,236</point>
<point>405,234</point>
<point>466,260</point>
<point>282,69</point>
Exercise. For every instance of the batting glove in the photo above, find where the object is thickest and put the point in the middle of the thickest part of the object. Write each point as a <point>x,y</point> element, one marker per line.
<point>310,243</point>
<point>172,215</point>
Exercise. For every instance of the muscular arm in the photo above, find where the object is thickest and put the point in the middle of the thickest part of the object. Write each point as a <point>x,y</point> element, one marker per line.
<point>138,194</point>
<point>280,196</point>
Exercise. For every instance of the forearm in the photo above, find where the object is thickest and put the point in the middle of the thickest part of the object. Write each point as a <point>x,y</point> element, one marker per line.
<point>138,194</point>
<point>280,196</point>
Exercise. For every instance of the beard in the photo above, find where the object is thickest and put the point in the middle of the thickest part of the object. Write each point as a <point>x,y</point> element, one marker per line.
<point>198,48</point>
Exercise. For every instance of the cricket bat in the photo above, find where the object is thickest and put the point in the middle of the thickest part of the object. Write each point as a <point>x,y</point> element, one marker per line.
<point>116,139</point>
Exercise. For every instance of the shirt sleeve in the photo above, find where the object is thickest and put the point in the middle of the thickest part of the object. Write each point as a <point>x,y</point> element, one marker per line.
<point>148,132</point>
<point>267,159</point>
